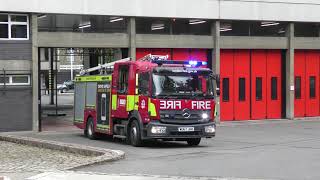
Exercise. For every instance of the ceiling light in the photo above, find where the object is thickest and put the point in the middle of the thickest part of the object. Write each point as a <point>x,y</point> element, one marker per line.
<point>157,26</point>
<point>264,24</point>
<point>115,19</point>
<point>225,29</point>
<point>86,25</point>
<point>42,16</point>
<point>196,21</point>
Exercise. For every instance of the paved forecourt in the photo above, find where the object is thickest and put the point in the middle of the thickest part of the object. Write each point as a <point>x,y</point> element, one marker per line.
<point>279,149</point>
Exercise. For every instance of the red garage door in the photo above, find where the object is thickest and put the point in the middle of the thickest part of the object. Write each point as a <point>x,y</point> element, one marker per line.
<point>259,84</point>
<point>175,54</point>
<point>242,84</point>
<point>307,83</point>
<point>251,84</point>
<point>181,54</point>
<point>274,96</point>
<point>227,85</point>
<point>235,87</point>
<point>141,52</point>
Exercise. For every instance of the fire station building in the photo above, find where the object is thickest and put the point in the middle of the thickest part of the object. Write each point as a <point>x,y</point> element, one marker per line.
<point>267,52</point>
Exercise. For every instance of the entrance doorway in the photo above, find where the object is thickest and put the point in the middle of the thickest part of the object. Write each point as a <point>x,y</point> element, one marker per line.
<point>57,69</point>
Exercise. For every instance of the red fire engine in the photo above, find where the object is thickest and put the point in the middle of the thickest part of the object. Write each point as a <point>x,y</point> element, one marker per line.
<point>151,98</point>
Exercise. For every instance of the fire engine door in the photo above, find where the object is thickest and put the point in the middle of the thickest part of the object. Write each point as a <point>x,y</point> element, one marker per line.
<point>103,108</point>
<point>122,91</point>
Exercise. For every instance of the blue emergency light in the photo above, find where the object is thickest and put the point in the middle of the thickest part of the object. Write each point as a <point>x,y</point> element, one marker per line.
<point>191,63</point>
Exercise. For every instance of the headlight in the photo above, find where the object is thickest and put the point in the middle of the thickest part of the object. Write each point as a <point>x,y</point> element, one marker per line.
<point>205,116</point>
<point>210,129</point>
<point>158,129</point>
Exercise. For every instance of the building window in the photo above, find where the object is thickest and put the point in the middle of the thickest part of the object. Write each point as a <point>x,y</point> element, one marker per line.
<point>15,80</point>
<point>253,28</point>
<point>312,87</point>
<point>297,85</point>
<point>274,88</point>
<point>242,89</point>
<point>14,27</point>
<point>258,88</point>
<point>225,89</point>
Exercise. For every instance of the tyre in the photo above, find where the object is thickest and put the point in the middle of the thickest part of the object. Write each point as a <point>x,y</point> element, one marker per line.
<point>194,141</point>
<point>64,90</point>
<point>135,134</point>
<point>90,132</point>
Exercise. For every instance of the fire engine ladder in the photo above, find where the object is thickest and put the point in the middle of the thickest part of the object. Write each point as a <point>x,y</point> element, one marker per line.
<point>108,67</point>
<point>151,57</point>
<point>103,67</point>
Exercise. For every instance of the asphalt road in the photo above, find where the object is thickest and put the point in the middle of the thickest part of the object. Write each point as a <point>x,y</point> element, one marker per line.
<point>264,150</point>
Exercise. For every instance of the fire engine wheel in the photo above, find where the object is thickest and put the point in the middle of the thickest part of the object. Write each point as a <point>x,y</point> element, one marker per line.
<point>135,134</point>
<point>194,141</point>
<point>91,134</point>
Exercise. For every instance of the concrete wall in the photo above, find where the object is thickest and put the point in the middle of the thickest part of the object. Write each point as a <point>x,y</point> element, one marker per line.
<point>15,102</point>
<point>15,105</point>
<point>62,39</point>
<point>13,50</point>
<point>277,10</point>
<point>88,40</point>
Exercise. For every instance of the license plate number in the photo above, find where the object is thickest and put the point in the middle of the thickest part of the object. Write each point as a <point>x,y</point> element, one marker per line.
<point>186,129</point>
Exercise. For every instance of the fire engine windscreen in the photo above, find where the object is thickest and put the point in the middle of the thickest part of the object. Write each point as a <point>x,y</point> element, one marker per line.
<point>186,84</point>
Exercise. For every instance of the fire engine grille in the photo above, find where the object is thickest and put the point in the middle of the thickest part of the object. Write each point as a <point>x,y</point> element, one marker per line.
<point>180,116</point>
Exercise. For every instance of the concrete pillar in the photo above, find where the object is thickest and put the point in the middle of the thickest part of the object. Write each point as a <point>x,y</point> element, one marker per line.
<point>132,37</point>
<point>215,31</point>
<point>35,73</point>
<point>290,72</point>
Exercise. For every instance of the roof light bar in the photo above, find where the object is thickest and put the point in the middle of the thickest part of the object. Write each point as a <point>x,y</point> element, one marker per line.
<point>191,63</point>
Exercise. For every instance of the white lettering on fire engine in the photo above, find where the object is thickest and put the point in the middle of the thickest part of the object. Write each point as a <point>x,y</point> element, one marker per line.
<point>201,105</point>
<point>170,104</point>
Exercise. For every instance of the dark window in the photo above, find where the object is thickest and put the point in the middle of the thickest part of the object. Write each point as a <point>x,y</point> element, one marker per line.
<point>225,87</point>
<point>259,88</point>
<point>19,31</point>
<point>18,18</point>
<point>2,79</point>
<point>20,79</point>
<point>274,88</point>
<point>3,18</point>
<point>312,86</point>
<point>143,84</point>
<point>252,28</point>
<point>123,79</point>
<point>297,85</point>
<point>4,31</point>
<point>306,29</point>
<point>242,89</point>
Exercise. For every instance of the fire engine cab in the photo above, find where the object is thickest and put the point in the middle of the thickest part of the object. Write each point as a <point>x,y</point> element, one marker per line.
<point>151,98</point>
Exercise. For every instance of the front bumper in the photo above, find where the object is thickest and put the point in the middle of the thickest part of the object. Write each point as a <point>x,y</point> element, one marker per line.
<point>172,131</point>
